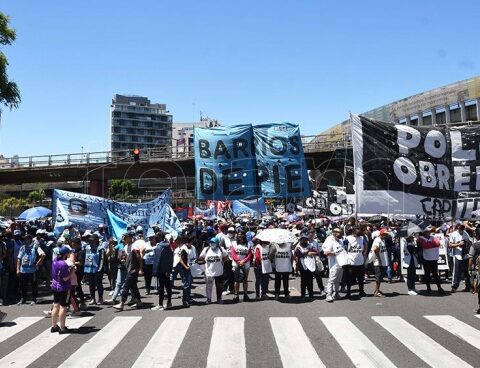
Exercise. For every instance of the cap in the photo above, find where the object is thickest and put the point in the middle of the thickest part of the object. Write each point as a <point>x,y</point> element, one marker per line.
<point>214,240</point>
<point>231,230</point>
<point>65,249</point>
<point>101,226</point>
<point>139,229</point>
<point>17,232</point>
<point>383,232</point>
<point>87,233</point>
<point>428,228</point>
<point>150,233</point>
<point>337,230</point>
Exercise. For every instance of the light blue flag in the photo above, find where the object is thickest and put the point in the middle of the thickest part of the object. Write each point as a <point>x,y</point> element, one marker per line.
<point>61,218</point>
<point>117,226</point>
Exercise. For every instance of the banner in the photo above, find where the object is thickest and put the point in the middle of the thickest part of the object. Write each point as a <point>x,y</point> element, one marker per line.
<point>425,171</point>
<point>61,218</point>
<point>280,160</point>
<point>244,162</point>
<point>225,163</point>
<point>209,213</point>
<point>87,211</point>
<point>116,226</point>
<point>252,207</point>
<point>333,202</point>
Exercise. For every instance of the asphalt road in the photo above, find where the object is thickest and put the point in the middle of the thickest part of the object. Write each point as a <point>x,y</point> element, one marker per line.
<point>265,333</point>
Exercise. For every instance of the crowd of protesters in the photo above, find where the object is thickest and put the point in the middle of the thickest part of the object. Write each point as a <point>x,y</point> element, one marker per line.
<point>346,253</point>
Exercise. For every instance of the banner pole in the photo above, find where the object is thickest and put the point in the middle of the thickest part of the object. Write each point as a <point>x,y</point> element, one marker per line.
<point>355,179</point>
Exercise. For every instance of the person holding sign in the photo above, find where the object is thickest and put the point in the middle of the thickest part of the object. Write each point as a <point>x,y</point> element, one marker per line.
<point>356,248</point>
<point>337,258</point>
<point>380,260</point>
<point>305,257</point>
<point>431,252</point>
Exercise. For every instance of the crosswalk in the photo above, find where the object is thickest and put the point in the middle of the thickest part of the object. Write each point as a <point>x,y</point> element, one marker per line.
<point>296,345</point>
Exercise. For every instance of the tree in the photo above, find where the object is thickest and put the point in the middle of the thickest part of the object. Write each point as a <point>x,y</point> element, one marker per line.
<point>36,196</point>
<point>9,92</point>
<point>9,205</point>
<point>121,189</point>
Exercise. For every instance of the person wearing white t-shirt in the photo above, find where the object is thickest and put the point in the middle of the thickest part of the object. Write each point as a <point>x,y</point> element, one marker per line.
<point>458,243</point>
<point>333,249</point>
<point>241,253</point>
<point>214,256</point>
<point>380,260</point>
<point>356,249</point>
<point>430,253</point>
<point>282,260</point>
<point>188,256</point>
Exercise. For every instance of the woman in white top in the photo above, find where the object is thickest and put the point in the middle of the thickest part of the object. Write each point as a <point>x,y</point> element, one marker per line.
<point>282,260</point>
<point>241,252</point>
<point>214,257</point>
<point>262,267</point>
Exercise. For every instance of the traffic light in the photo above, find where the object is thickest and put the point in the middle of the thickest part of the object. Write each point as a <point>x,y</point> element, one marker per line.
<point>136,155</point>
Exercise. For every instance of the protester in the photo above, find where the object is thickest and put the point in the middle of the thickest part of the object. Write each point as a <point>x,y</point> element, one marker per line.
<point>474,267</point>
<point>94,268</point>
<point>226,242</point>
<point>430,255</point>
<point>29,259</point>
<point>356,249</point>
<point>214,257</point>
<point>380,260</point>
<point>134,269</point>
<point>162,266</point>
<point>304,254</point>
<point>318,274</point>
<point>60,287</point>
<point>337,258</point>
<point>262,268</point>
<point>187,258</point>
<point>411,259</point>
<point>241,253</point>
<point>460,241</point>
<point>282,257</point>
<point>148,254</point>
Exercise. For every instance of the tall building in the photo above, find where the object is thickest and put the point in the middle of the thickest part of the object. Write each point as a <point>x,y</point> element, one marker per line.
<point>182,135</point>
<point>137,123</point>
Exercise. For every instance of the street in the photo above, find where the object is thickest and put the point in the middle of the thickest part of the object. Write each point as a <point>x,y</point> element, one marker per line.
<point>398,330</point>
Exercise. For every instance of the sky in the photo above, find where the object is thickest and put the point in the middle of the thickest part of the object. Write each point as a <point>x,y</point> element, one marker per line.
<point>249,61</point>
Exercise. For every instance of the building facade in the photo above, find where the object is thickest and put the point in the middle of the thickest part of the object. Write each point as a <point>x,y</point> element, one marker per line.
<point>183,133</point>
<point>137,123</point>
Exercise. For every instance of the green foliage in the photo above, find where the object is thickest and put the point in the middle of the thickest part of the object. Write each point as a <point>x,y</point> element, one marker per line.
<point>36,196</point>
<point>121,189</point>
<point>9,92</point>
<point>12,204</point>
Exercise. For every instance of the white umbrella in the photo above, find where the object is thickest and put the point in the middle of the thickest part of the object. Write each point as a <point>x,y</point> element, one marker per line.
<point>276,236</point>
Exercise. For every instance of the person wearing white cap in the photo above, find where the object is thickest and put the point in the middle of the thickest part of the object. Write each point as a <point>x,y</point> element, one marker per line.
<point>226,242</point>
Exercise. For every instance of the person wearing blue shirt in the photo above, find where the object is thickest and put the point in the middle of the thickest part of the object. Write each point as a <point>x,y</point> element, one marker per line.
<point>93,268</point>
<point>29,259</point>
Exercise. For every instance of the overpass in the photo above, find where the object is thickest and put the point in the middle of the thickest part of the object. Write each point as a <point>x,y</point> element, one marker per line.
<point>94,169</point>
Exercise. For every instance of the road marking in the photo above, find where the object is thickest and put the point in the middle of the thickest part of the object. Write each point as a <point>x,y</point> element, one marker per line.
<point>458,328</point>
<point>227,346</point>
<point>294,346</point>
<point>361,351</point>
<point>420,344</point>
<point>35,348</point>
<point>21,323</point>
<point>164,344</point>
<point>96,349</point>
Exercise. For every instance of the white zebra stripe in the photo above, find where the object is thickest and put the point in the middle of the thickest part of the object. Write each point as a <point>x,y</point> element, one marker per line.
<point>458,328</point>
<point>95,350</point>
<point>227,346</point>
<point>420,344</point>
<point>294,346</point>
<point>169,337</point>
<point>35,348</point>
<point>20,324</point>
<point>361,351</point>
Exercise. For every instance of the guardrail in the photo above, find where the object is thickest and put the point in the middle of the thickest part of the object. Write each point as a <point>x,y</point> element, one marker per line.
<point>318,143</point>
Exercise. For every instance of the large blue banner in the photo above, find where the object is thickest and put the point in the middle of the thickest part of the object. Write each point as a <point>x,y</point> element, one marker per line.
<point>280,160</point>
<point>87,211</point>
<point>225,167</point>
<point>252,207</point>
